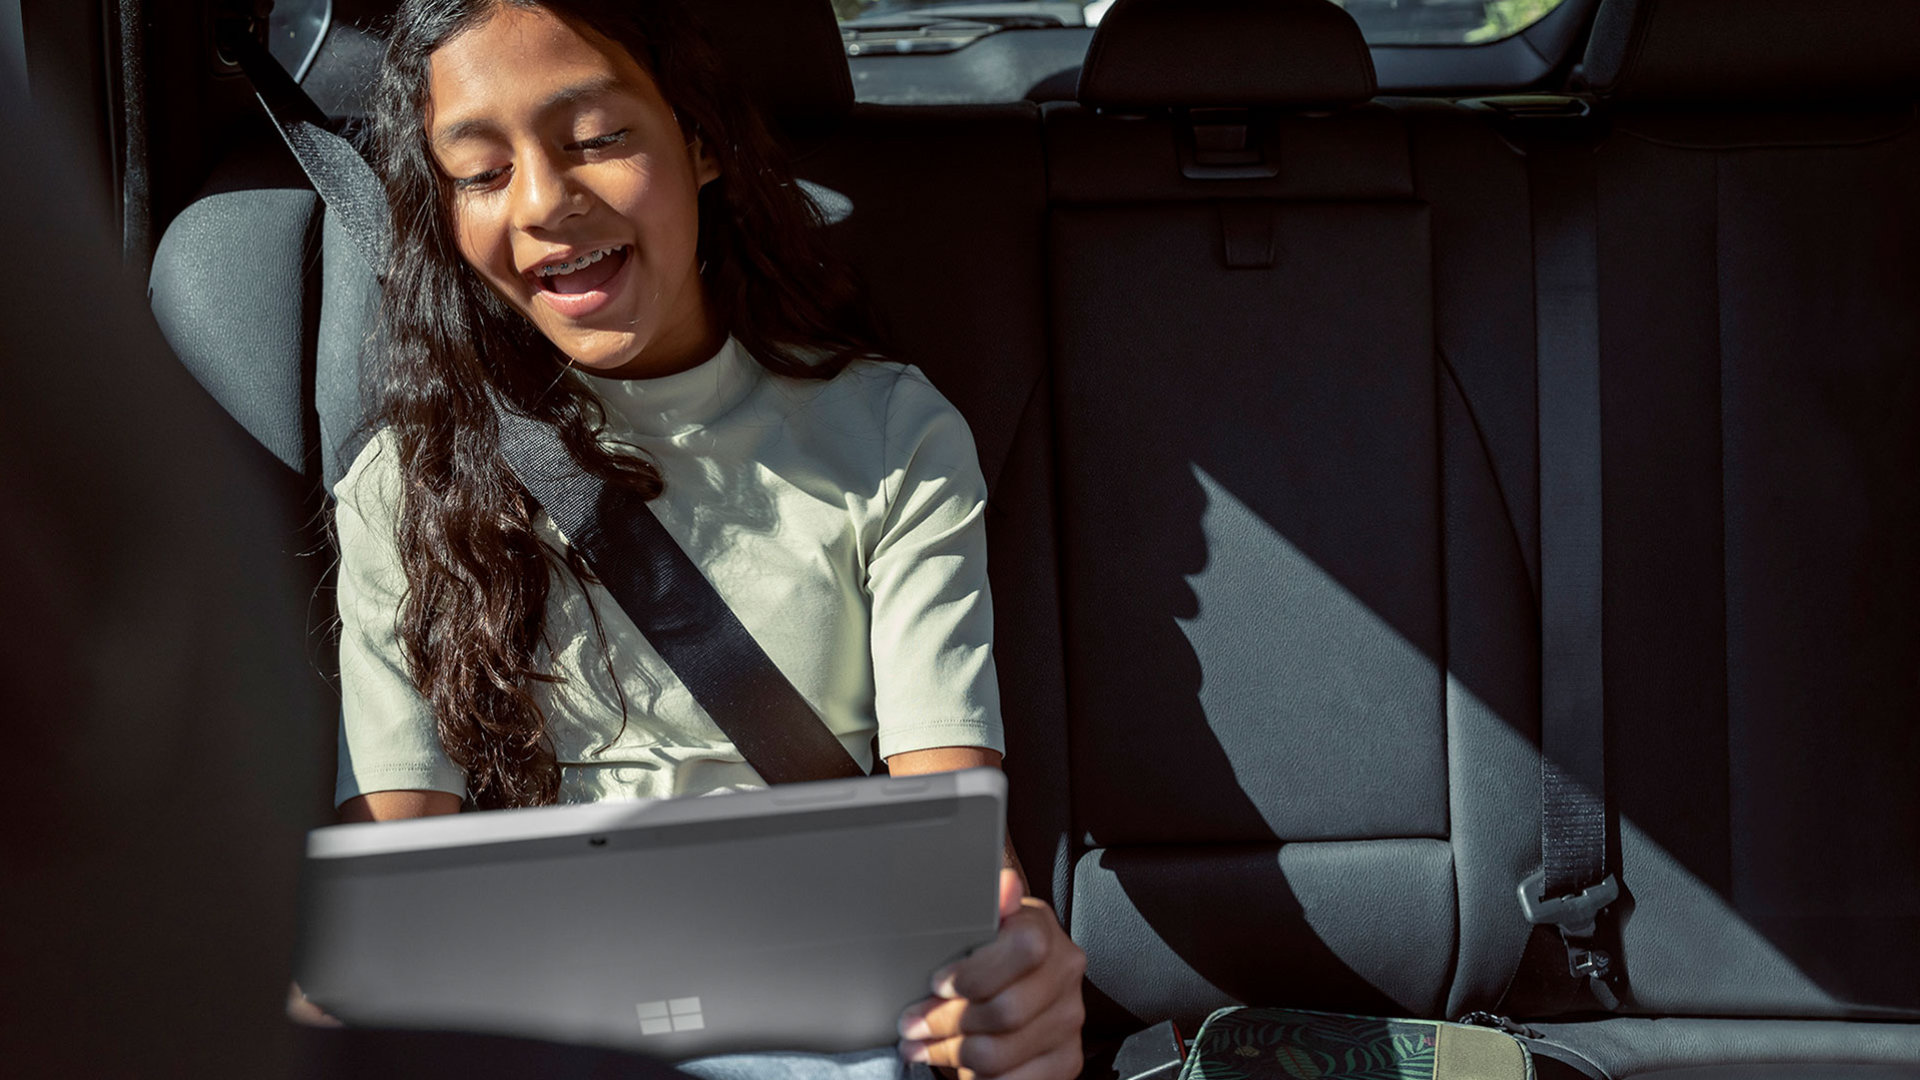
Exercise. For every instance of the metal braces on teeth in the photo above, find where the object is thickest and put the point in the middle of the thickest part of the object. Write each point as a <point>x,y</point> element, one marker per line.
<point>580,263</point>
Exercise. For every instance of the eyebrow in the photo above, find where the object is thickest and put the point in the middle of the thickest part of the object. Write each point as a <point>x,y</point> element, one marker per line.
<point>572,95</point>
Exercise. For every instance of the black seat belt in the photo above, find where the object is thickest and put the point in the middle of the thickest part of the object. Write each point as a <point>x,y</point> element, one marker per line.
<point>678,610</point>
<point>654,581</point>
<point>1574,885</point>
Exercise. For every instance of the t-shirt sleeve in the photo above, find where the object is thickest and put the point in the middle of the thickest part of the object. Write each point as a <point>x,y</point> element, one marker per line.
<point>388,740</point>
<point>934,680</point>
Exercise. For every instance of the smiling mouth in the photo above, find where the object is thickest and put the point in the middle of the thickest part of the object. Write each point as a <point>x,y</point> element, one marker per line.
<point>599,268</point>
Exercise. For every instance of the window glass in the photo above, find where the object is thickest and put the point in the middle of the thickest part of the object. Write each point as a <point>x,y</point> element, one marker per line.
<point>910,26</point>
<point>294,31</point>
<point>1444,22</point>
<point>879,27</point>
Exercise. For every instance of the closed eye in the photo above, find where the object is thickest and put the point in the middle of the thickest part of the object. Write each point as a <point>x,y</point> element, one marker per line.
<point>598,142</point>
<point>601,142</point>
<point>478,180</point>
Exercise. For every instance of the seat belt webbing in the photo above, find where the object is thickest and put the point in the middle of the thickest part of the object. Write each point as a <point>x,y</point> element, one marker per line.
<point>678,609</point>
<point>343,179</point>
<point>647,572</point>
<point>1573,885</point>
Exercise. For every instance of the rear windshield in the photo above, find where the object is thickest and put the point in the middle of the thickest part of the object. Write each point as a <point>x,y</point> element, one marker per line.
<point>897,26</point>
<point>1444,22</point>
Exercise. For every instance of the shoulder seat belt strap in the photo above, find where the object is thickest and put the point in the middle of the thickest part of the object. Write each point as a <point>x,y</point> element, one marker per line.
<point>678,610</point>
<point>1573,885</point>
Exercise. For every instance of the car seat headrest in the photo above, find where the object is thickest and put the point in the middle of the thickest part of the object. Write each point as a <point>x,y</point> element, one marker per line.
<point>787,54</point>
<point>1732,51</point>
<point>1228,53</point>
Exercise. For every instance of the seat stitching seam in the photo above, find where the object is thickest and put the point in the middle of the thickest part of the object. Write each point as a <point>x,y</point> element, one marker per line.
<point>1487,458</point>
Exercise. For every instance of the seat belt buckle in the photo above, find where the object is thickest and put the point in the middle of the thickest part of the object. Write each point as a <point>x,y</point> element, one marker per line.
<point>1574,913</point>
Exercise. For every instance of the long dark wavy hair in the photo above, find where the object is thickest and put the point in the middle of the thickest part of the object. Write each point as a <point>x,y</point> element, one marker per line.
<point>478,573</point>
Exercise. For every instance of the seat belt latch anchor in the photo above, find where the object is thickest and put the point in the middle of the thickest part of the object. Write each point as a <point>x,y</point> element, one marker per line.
<point>1595,966</point>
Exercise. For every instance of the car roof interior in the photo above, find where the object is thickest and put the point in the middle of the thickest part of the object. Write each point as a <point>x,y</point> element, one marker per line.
<point>1259,330</point>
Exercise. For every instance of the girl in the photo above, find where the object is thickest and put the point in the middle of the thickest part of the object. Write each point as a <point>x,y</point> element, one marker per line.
<point>589,226</point>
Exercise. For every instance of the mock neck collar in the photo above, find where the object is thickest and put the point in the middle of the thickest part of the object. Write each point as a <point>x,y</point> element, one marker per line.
<point>684,401</point>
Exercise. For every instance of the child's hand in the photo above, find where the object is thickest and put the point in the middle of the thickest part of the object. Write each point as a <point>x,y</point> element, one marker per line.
<point>1010,1009</point>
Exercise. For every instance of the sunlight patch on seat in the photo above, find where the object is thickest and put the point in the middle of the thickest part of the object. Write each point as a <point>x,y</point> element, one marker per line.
<point>1683,939</point>
<point>1287,652</point>
<point>1684,943</point>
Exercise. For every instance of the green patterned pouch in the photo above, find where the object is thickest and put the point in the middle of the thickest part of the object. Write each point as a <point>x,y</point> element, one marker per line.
<point>1241,1043</point>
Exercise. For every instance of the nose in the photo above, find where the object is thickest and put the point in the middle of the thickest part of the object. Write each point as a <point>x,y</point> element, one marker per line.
<point>544,192</point>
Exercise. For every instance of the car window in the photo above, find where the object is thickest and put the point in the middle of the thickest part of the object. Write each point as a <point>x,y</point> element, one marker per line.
<point>944,25</point>
<point>295,30</point>
<point>952,52</point>
<point>882,27</point>
<point>1444,22</point>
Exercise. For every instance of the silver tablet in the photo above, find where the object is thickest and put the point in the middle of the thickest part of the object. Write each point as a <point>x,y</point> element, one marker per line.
<point>804,917</point>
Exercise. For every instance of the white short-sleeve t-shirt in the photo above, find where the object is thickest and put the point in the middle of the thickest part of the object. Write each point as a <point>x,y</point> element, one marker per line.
<point>841,520</point>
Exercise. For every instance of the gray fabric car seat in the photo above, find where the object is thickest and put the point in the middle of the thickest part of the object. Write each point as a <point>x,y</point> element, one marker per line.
<point>265,300</point>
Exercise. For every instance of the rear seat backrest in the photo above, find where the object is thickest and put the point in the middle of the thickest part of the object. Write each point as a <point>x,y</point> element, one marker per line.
<point>261,294</point>
<point>1250,423</point>
<point>1759,270</point>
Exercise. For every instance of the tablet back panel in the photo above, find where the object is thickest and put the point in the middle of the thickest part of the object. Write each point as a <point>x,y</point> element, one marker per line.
<point>803,917</point>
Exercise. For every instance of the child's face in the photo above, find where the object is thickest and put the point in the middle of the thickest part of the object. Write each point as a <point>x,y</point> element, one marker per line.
<point>559,146</point>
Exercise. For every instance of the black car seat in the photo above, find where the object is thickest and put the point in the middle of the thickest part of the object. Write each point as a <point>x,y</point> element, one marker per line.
<point>1755,166</point>
<point>1196,330</point>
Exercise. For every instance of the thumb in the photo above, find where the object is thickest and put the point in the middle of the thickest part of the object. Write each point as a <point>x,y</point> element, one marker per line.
<point>1010,891</point>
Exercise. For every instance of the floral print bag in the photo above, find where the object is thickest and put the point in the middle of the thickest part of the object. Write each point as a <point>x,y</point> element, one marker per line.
<point>1241,1043</point>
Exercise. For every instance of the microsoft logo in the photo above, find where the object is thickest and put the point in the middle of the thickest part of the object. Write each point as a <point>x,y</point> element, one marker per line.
<point>674,1014</point>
